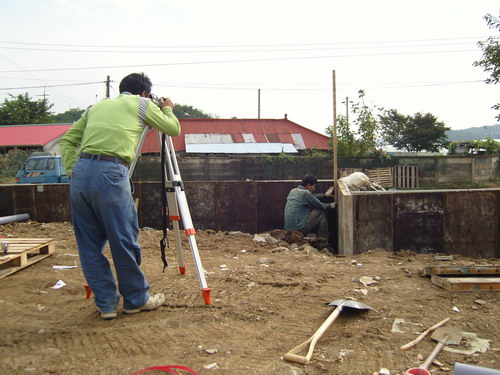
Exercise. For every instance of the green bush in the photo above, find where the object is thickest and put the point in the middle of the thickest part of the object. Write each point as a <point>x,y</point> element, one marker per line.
<point>10,163</point>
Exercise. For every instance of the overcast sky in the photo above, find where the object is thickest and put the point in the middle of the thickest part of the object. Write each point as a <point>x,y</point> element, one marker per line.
<point>214,55</point>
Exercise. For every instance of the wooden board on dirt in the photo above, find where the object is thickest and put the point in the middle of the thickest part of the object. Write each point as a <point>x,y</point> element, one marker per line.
<point>467,283</point>
<point>461,270</point>
<point>23,252</point>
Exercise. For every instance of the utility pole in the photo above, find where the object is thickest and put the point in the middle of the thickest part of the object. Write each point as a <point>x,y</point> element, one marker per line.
<point>334,133</point>
<point>258,104</point>
<point>347,101</point>
<point>45,98</point>
<point>108,83</point>
<point>44,94</point>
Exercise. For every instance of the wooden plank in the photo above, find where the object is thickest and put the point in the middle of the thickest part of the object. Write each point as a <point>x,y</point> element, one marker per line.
<point>466,284</point>
<point>406,176</point>
<point>461,270</point>
<point>23,252</point>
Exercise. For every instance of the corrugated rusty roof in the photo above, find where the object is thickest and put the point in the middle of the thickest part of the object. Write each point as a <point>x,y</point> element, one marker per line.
<point>31,135</point>
<point>237,130</point>
<point>240,148</point>
<point>242,131</point>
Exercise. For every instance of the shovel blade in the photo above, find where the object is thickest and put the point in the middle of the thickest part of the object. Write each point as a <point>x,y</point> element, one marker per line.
<point>447,335</point>
<point>351,304</point>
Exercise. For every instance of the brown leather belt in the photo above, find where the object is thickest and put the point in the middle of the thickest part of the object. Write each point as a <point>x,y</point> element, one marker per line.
<point>86,155</point>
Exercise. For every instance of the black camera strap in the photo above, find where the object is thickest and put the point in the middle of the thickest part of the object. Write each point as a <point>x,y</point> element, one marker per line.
<point>164,208</point>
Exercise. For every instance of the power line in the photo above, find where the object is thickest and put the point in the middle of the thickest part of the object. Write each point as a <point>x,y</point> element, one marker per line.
<point>233,50</point>
<point>239,45</point>
<point>252,86</point>
<point>61,85</point>
<point>30,74</point>
<point>238,61</point>
<point>263,86</point>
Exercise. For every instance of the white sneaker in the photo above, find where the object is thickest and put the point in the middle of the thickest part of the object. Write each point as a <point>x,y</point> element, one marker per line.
<point>153,303</point>
<point>108,315</point>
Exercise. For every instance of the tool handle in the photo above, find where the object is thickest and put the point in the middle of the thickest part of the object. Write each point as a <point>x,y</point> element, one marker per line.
<point>434,353</point>
<point>423,334</point>
<point>293,356</point>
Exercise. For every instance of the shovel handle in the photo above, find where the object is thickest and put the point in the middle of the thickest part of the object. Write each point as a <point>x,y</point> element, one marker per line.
<point>423,334</point>
<point>434,353</point>
<point>293,356</point>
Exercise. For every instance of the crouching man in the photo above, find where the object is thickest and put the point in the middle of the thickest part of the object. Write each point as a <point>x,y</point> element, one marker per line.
<point>303,210</point>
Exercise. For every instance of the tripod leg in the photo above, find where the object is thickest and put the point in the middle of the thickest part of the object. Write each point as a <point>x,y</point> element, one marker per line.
<point>174,217</point>
<point>190,232</point>
<point>185,215</point>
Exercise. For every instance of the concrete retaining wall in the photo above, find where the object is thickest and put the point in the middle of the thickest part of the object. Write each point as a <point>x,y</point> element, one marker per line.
<point>445,221</point>
<point>462,222</point>
<point>433,170</point>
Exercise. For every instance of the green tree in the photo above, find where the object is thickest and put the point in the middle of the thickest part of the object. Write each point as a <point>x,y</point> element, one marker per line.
<point>188,111</point>
<point>413,133</point>
<point>71,115</point>
<point>347,144</point>
<point>23,110</point>
<point>490,61</point>
<point>363,137</point>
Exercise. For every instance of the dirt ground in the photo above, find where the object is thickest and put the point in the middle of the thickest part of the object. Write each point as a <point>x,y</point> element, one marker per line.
<point>266,299</point>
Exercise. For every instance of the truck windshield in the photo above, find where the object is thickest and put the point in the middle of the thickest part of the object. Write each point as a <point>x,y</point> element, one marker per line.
<point>37,164</point>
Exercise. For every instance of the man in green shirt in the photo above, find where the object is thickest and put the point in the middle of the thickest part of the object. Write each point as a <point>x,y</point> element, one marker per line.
<point>96,152</point>
<point>303,210</point>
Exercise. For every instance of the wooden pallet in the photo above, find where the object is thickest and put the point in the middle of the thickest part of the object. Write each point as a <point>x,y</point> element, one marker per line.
<point>467,283</point>
<point>382,176</point>
<point>406,176</point>
<point>23,252</point>
<point>460,270</point>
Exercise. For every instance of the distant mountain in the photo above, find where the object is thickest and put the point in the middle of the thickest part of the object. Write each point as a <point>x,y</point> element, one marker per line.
<point>481,132</point>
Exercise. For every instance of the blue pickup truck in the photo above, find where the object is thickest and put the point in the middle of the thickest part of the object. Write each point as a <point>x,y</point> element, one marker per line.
<point>42,169</point>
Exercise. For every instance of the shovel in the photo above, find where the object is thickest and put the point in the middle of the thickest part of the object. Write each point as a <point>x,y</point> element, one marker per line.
<point>293,356</point>
<point>444,336</point>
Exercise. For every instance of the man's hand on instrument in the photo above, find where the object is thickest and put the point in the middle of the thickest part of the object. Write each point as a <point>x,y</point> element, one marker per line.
<point>166,102</point>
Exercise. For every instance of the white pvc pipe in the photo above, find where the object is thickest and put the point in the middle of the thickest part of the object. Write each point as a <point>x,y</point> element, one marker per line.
<point>12,218</point>
<point>462,369</point>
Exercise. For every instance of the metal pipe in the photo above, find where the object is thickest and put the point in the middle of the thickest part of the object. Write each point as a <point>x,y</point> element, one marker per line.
<point>12,218</point>
<point>462,369</point>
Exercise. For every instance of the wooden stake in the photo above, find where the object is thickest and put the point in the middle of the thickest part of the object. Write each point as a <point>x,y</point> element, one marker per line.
<point>334,132</point>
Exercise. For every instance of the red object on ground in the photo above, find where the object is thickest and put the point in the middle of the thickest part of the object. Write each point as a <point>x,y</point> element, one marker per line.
<point>87,290</point>
<point>205,292</point>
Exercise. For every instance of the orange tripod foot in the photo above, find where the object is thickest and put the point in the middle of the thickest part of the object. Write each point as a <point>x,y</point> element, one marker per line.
<point>182,270</point>
<point>87,290</point>
<point>205,292</point>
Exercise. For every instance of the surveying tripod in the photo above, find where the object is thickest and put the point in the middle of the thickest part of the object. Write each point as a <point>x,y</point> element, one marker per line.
<point>178,209</point>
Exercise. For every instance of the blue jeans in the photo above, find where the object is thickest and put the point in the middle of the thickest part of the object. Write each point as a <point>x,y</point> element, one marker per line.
<point>103,210</point>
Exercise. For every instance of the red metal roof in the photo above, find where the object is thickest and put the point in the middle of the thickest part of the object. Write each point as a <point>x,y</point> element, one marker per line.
<point>263,130</point>
<point>31,135</point>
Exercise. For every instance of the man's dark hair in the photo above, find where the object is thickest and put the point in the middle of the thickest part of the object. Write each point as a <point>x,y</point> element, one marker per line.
<point>136,83</point>
<point>309,179</point>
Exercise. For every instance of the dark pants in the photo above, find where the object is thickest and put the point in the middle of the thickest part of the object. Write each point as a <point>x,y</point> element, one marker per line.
<point>317,223</point>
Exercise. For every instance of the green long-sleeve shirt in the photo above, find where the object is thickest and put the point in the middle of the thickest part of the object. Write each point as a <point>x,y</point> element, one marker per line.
<point>113,127</point>
<point>299,203</point>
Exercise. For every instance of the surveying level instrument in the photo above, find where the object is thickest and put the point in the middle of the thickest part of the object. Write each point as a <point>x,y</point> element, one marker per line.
<point>174,203</point>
